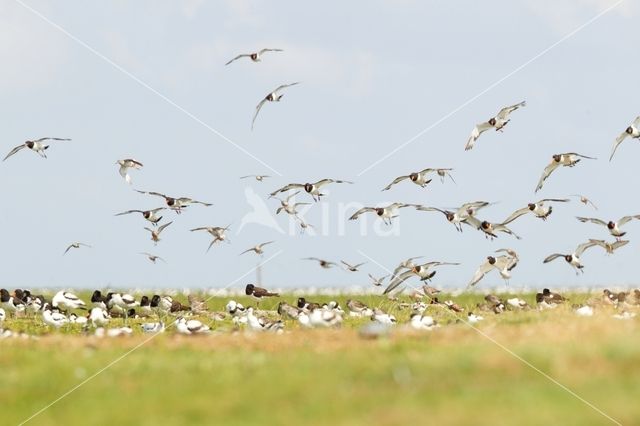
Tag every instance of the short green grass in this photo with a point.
(455, 374)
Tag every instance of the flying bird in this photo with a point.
(405, 264)
(503, 264)
(155, 233)
(176, 204)
(538, 209)
(271, 97)
(612, 227)
(257, 249)
(569, 159)
(36, 146)
(152, 257)
(255, 57)
(572, 259)
(584, 200)
(610, 247)
(386, 213)
(149, 215)
(377, 282)
(498, 122)
(75, 245)
(287, 206)
(420, 178)
(259, 178)
(351, 268)
(312, 189)
(423, 271)
(217, 232)
(323, 263)
(461, 214)
(489, 228)
(125, 165)
(632, 131)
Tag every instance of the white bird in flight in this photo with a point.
(274, 96)
(125, 165)
(498, 122)
(255, 56)
(36, 146)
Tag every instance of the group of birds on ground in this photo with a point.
(464, 215)
(195, 318)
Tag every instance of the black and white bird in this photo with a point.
(386, 213)
(258, 293)
(568, 159)
(176, 204)
(538, 209)
(123, 301)
(405, 264)
(490, 229)
(262, 324)
(66, 300)
(125, 165)
(461, 214)
(99, 301)
(191, 327)
(53, 318)
(217, 232)
(325, 264)
(255, 56)
(633, 131)
(257, 249)
(612, 226)
(98, 317)
(38, 146)
(11, 303)
(503, 264)
(152, 327)
(155, 232)
(572, 259)
(274, 96)
(312, 189)
(259, 178)
(498, 122)
(418, 178)
(150, 215)
(422, 322)
(75, 245)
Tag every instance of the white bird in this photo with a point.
(235, 309)
(66, 301)
(114, 332)
(257, 249)
(262, 324)
(632, 131)
(320, 318)
(98, 317)
(125, 165)
(152, 327)
(184, 326)
(288, 207)
(3, 315)
(75, 319)
(382, 317)
(538, 209)
(498, 122)
(36, 146)
(473, 318)
(584, 311)
(75, 245)
(274, 96)
(312, 189)
(55, 319)
(517, 303)
(572, 259)
(255, 56)
(217, 232)
(422, 322)
(568, 159)
(612, 226)
(386, 213)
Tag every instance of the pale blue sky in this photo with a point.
(374, 74)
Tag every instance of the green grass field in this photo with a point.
(455, 374)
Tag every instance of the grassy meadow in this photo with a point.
(456, 374)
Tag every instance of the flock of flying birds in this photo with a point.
(467, 215)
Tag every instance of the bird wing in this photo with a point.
(14, 150)
(269, 50)
(580, 155)
(361, 211)
(258, 108)
(554, 200)
(617, 142)
(346, 264)
(592, 220)
(51, 139)
(480, 273)
(397, 281)
(287, 188)
(247, 176)
(157, 194)
(356, 266)
(546, 173)
(626, 219)
(161, 228)
(396, 180)
(582, 247)
(475, 134)
(242, 55)
(619, 244)
(554, 256)
(291, 196)
(268, 242)
(516, 215)
(504, 112)
(68, 248)
(129, 212)
(284, 86)
(246, 251)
